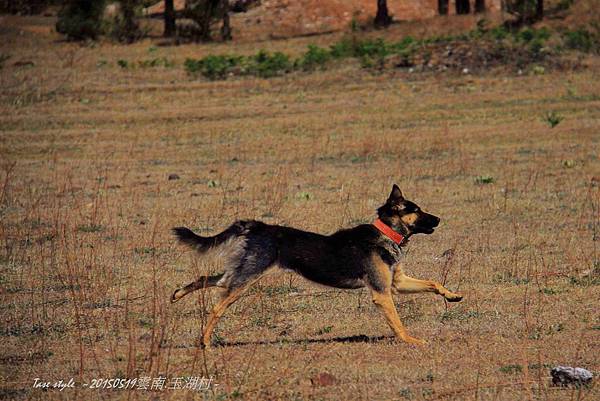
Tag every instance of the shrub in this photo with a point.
(81, 19)
(371, 48)
(579, 39)
(212, 67)
(266, 65)
(528, 35)
(314, 57)
(343, 48)
(553, 119)
(498, 33)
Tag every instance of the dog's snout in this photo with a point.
(436, 221)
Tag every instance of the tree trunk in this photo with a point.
(382, 19)
(226, 28)
(539, 10)
(209, 11)
(169, 19)
(130, 27)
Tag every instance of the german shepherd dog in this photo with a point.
(366, 255)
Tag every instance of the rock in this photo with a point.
(566, 375)
(173, 177)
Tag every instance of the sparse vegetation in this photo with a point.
(484, 179)
(583, 39)
(480, 47)
(553, 118)
(88, 261)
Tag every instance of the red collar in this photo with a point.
(388, 232)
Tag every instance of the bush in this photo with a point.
(343, 48)
(528, 35)
(266, 65)
(314, 57)
(81, 19)
(212, 67)
(581, 39)
(498, 33)
(371, 48)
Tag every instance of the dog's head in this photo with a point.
(406, 217)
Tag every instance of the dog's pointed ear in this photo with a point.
(396, 195)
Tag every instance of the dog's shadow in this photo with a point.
(361, 338)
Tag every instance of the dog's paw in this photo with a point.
(414, 340)
(454, 297)
(176, 296)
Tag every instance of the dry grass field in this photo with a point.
(88, 263)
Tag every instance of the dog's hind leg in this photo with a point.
(380, 282)
(260, 254)
(406, 285)
(202, 282)
(228, 298)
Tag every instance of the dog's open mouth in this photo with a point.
(425, 230)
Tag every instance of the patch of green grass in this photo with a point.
(303, 195)
(511, 369)
(91, 228)
(324, 330)
(553, 119)
(145, 250)
(484, 179)
(146, 323)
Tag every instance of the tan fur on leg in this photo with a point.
(407, 285)
(227, 300)
(385, 303)
(202, 282)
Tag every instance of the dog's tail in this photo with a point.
(203, 244)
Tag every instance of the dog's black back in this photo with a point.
(342, 260)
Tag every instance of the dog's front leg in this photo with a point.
(380, 282)
(385, 303)
(403, 284)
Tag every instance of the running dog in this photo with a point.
(366, 255)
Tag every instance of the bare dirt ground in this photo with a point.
(87, 261)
